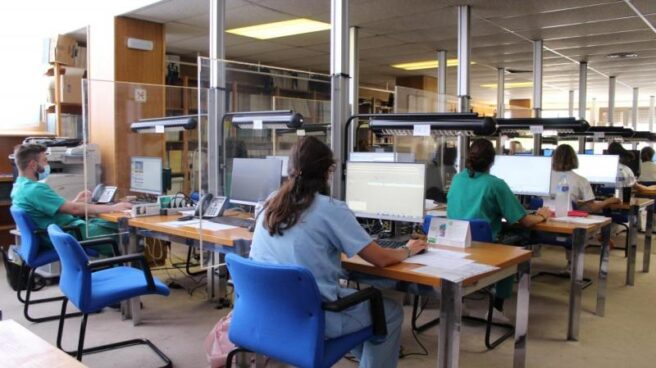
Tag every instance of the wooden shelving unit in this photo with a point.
(57, 107)
(182, 101)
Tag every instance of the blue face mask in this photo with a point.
(44, 174)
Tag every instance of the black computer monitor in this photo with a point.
(254, 179)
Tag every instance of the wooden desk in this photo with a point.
(509, 259)
(19, 347)
(579, 234)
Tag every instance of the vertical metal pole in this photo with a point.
(354, 84)
(633, 245)
(603, 270)
(571, 103)
(464, 52)
(652, 112)
(501, 87)
(521, 314)
(448, 348)
(537, 78)
(634, 109)
(611, 101)
(649, 227)
(593, 112)
(339, 58)
(576, 283)
(216, 109)
(583, 86)
(441, 80)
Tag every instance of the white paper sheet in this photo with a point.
(590, 220)
(457, 274)
(447, 253)
(212, 226)
(434, 259)
(179, 223)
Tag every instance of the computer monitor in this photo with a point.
(598, 169)
(253, 179)
(528, 175)
(386, 190)
(381, 157)
(146, 175)
(285, 163)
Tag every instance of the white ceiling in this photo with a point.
(393, 31)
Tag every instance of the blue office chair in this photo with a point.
(278, 312)
(481, 231)
(34, 255)
(91, 291)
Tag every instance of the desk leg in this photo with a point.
(130, 309)
(603, 270)
(521, 315)
(646, 257)
(631, 260)
(448, 348)
(576, 286)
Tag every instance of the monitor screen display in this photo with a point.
(254, 179)
(385, 190)
(146, 175)
(285, 163)
(528, 175)
(598, 169)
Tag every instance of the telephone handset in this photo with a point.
(212, 206)
(103, 194)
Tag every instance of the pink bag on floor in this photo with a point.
(217, 344)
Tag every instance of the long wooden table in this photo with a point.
(579, 234)
(509, 259)
(19, 347)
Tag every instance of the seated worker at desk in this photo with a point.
(46, 207)
(301, 225)
(475, 194)
(647, 165)
(563, 161)
(625, 176)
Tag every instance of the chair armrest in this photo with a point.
(106, 262)
(102, 241)
(375, 298)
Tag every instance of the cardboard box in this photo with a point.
(70, 86)
(63, 50)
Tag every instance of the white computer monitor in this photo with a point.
(386, 190)
(599, 169)
(285, 163)
(381, 157)
(146, 175)
(528, 175)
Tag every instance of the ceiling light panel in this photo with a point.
(281, 29)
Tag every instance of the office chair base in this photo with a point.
(562, 275)
(27, 300)
(101, 348)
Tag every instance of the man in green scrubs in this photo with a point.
(46, 207)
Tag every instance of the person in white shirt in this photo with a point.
(625, 175)
(563, 161)
(647, 165)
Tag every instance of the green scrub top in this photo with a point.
(483, 196)
(42, 204)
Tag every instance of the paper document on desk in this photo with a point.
(446, 253)
(457, 274)
(590, 220)
(436, 258)
(179, 223)
(212, 226)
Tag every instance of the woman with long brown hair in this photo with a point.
(302, 225)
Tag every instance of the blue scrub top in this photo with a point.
(325, 230)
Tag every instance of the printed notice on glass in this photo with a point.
(421, 130)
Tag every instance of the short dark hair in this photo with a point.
(480, 156)
(25, 153)
(646, 154)
(564, 159)
(615, 148)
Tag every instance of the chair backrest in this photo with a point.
(277, 311)
(75, 278)
(480, 229)
(29, 247)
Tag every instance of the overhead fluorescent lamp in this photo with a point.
(509, 85)
(278, 119)
(168, 124)
(281, 29)
(428, 64)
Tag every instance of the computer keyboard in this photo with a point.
(233, 221)
(390, 243)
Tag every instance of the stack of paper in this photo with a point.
(590, 220)
(449, 265)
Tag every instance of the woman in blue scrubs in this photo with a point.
(302, 225)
